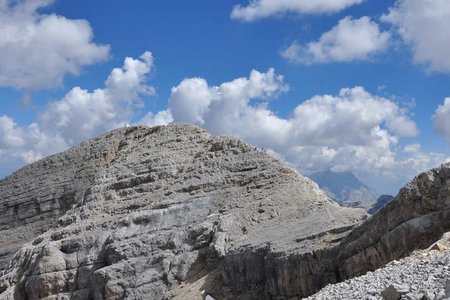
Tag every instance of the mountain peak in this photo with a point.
(345, 188)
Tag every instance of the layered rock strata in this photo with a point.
(154, 215)
(419, 215)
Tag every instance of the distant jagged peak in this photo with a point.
(345, 188)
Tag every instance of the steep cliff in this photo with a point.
(416, 217)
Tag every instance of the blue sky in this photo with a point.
(337, 84)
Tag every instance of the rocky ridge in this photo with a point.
(170, 211)
(381, 201)
(155, 215)
(418, 215)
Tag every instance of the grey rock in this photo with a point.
(414, 271)
(395, 291)
(158, 213)
(33, 198)
(447, 289)
(417, 217)
(379, 203)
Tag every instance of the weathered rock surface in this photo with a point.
(413, 220)
(418, 216)
(170, 212)
(33, 199)
(381, 201)
(424, 275)
(155, 215)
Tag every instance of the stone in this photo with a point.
(447, 288)
(416, 218)
(157, 213)
(395, 291)
(438, 247)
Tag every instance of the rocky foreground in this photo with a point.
(172, 212)
(424, 275)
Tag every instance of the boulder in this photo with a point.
(395, 291)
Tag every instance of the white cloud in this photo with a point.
(222, 108)
(350, 40)
(441, 119)
(190, 100)
(26, 143)
(423, 25)
(163, 117)
(10, 133)
(258, 9)
(37, 50)
(80, 114)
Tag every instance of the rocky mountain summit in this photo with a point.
(148, 213)
(172, 212)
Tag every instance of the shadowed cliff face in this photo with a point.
(154, 216)
(417, 217)
(170, 211)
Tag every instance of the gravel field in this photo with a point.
(425, 275)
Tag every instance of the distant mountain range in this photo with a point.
(347, 190)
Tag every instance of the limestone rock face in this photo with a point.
(414, 219)
(32, 199)
(165, 213)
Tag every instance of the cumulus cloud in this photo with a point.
(163, 117)
(37, 50)
(423, 25)
(28, 143)
(351, 130)
(80, 114)
(195, 102)
(350, 40)
(258, 9)
(441, 119)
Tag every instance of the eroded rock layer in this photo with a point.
(33, 199)
(418, 215)
(154, 215)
